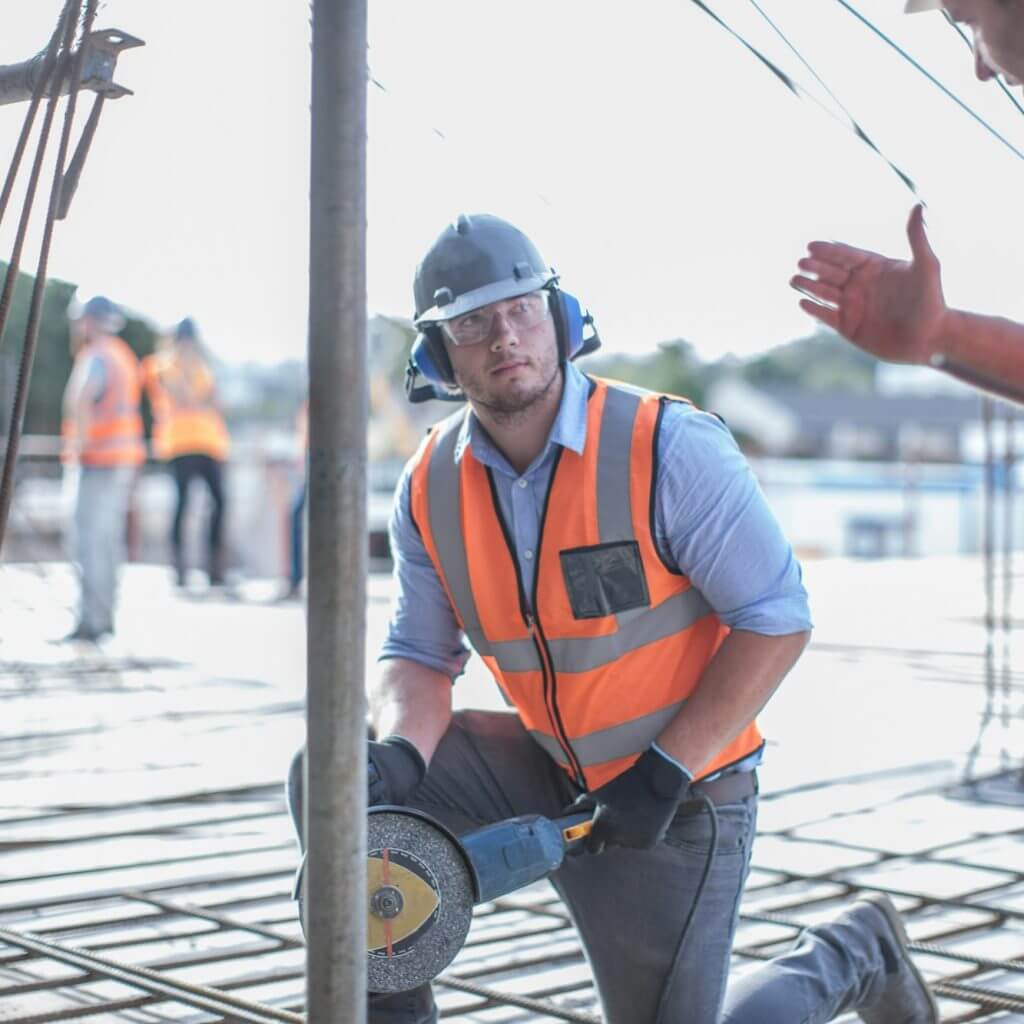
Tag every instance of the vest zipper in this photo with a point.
(536, 633)
(551, 698)
(547, 662)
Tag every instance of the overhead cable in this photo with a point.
(433, 129)
(931, 78)
(801, 93)
(970, 46)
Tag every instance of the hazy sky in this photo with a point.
(668, 176)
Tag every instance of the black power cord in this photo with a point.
(666, 988)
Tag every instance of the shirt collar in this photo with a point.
(569, 429)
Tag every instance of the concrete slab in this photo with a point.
(140, 790)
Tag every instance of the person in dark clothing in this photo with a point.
(189, 434)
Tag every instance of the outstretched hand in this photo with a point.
(893, 309)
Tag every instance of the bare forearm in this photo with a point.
(736, 685)
(987, 351)
(413, 701)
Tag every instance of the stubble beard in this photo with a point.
(508, 410)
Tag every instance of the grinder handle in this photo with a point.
(575, 828)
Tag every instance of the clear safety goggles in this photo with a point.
(521, 313)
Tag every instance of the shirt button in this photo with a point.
(521, 482)
(527, 554)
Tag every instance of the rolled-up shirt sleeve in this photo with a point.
(422, 626)
(713, 521)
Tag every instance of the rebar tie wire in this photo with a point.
(61, 42)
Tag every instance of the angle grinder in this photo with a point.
(423, 882)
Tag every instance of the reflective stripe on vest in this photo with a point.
(618, 678)
(114, 436)
(617, 741)
(178, 430)
(636, 628)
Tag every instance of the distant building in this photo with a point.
(787, 421)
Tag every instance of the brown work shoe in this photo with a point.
(906, 998)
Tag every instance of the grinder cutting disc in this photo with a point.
(420, 895)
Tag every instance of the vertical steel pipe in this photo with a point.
(336, 704)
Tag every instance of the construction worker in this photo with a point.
(895, 309)
(190, 435)
(609, 555)
(103, 446)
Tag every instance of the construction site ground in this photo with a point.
(146, 856)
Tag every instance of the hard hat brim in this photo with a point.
(914, 6)
(507, 289)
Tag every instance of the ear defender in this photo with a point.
(429, 360)
(430, 357)
(568, 318)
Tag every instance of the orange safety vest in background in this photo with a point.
(114, 436)
(179, 430)
(616, 639)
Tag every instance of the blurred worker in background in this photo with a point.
(190, 435)
(102, 444)
(895, 309)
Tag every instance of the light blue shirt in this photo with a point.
(710, 515)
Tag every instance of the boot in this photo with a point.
(217, 566)
(906, 998)
(180, 571)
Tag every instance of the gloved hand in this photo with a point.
(394, 770)
(636, 807)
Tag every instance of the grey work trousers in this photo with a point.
(629, 906)
(98, 539)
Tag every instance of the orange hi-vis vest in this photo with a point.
(114, 437)
(605, 651)
(179, 430)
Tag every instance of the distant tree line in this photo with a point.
(820, 362)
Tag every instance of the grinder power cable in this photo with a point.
(423, 882)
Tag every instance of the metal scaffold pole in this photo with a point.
(336, 704)
(20, 82)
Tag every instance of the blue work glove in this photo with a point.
(394, 770)
(636, 807)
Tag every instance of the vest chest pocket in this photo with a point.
(604, 579)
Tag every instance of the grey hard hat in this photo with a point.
(186, 330)
(477, 260)
(99, 308)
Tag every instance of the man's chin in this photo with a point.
(508, 404)
(515, 397)
(509, 396)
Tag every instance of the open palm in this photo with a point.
(891, 308)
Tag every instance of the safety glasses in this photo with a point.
(520, 313)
